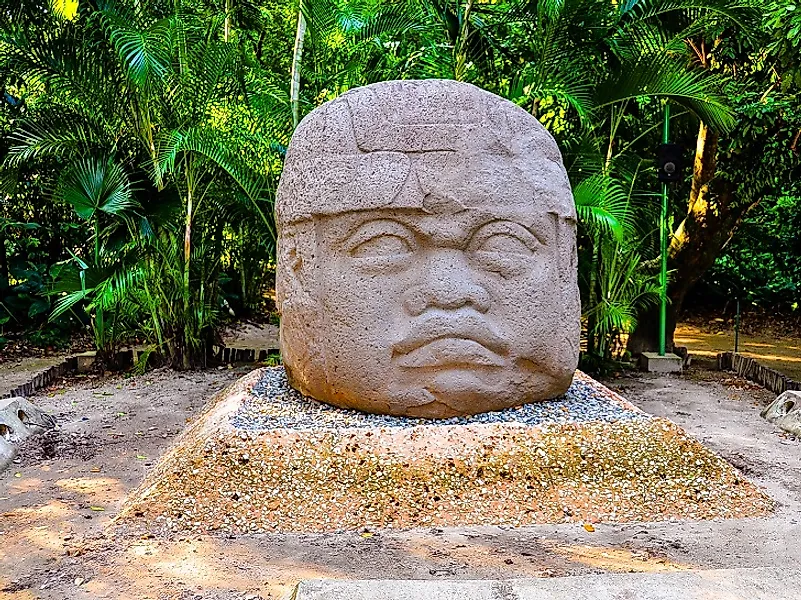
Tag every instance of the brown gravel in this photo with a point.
(218, 478)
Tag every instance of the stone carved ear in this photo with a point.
(296, 287)
(298, 303)
(297, 248)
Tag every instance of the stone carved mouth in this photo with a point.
(453, 341)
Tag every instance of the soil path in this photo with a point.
(782, 354)
(19, 372)
(57, 502)
(252, 335)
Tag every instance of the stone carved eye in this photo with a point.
(381, 245)
(501, 242)
(504, 247)
(381, 239)
(505, 237)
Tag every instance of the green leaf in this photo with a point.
(145, 52)
(666, 77)
(92, 185)
(602, 204)
(65, 303)
(66, 9)
(38, 307)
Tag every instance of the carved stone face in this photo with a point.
(452, 292)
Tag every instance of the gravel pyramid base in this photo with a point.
(263, 458)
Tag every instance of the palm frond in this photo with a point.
(565, 83)
(740, 12)
(145, 52)
(603, 205)
(209, 144)
(665, 77)
(54, 134)
(68, 302)
(91, 185)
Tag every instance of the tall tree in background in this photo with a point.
(734, 171)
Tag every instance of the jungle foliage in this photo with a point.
(141, 142)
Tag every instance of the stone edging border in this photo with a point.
(749, 368)
(82, 362)
(44, 379)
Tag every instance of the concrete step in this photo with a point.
(722, 584)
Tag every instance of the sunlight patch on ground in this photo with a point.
(784, 353)
(489, 557)
(616, 559)
(24, 485)
(102, 588)
(104, 486)
(774, 357)
(33, 531)
(43, 537)
(711, 353)
(200, 564)
(51, 511)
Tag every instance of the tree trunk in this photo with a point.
(461, 45)
(187, 292)
(227, 24)
(297, 55)
(592, 295)
(4, 283)
(712, 218)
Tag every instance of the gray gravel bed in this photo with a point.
(275, 405)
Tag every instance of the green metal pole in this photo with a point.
(663, 239)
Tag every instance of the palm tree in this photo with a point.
(152, 91)
(94, 188)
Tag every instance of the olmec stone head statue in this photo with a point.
(426, 253)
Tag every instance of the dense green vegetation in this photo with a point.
(142, 140)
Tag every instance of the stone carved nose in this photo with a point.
(447, 283)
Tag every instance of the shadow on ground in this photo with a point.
(56, 507)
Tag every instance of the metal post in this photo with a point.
(737, 328)
(663, 239)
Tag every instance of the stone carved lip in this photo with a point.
(451, 340)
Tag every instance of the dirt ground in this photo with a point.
(252, 335)
(19, 372)
(57, 503)
(780, 353)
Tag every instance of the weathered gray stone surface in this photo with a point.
(427, 253)
(722, 584)
(19, 419)
(785, 412)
